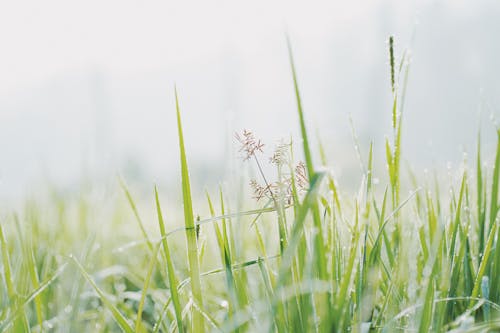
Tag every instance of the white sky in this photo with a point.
(73, 73)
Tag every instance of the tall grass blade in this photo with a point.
(136, 213)
(172, 280)
(494, 209)
(426, 319)
(192, 242)
(320, 256)
(484, 263)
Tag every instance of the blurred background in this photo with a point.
(86, 87)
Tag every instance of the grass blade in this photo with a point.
(484, 263)
(117, 315)
(144, 292)
(172, 280)
(320, 256)
(192, 242)
(136, 213)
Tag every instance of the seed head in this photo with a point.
(261, 191)
(249, 145)
(281, 155)
(391, 60)
(301, 176)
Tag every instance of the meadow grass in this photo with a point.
(309, 258)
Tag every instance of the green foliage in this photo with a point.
(312, 258)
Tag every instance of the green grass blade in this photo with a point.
(426, 319)
(172, 280)
(192, 242)
(144, 291)
(33, 272)
(298, 226)
(136, 213)
(456, 222)
(481, 212)
(349, 271)
(11, 292)
(494, 209)
(495, 184)
(320, 256)
(117, 315)
(29, 258)
(295, 239)
(235, 294)
(19, 310)
(303, 130)
(484, 263)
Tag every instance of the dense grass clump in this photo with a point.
(308, 259)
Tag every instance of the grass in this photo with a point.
(305, 257)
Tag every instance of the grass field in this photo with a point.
(410, 255)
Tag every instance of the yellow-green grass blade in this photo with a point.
(26, 277)
(331, 181)
(320, 256)
(369, 181)
(29, 258)
(225, 253)
(159, 322)
(295, 239)
(298, 226)
(192, 243)
(484, 263)
(350, 270)
(78, 285)
(19, 309)
(218, 234)
(33, 272)
(495, 184)
(144, 291)
(481, 208)
(7, 268)
(172, 280)
(13, 299)
(269, 294)
(136, 213)
(303, 130)
(427, 311)
(456, 269)
(494, 209)
(456, 222)
(214, 219)
(117, 315)
(389, 218)
(208, 318)
(237, 294)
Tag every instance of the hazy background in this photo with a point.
(86, 87)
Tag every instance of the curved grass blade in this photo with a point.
(136, 213)
(117, 315)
